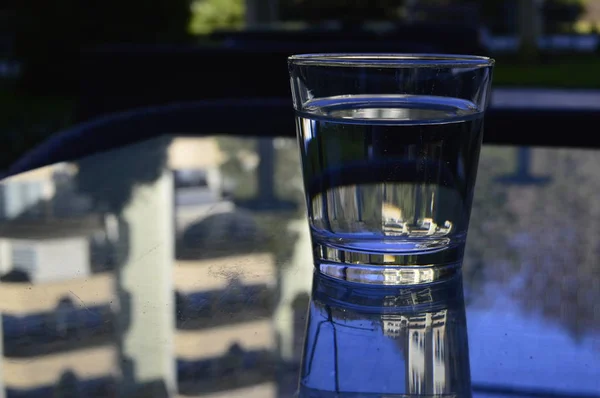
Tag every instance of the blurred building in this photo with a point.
(42, 218)
(56, 311)
(60, 301)
(423, 339)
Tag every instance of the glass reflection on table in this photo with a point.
(385, 342)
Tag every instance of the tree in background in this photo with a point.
(210, 15)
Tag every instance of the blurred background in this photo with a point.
(167, 253)
(49, 59)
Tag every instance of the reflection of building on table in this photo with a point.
(45, 256)
(424, 336)
(225, 335)
(59, 304)
(42, 218)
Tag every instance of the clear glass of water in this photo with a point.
(389, 146)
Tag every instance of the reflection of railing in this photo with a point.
(525, 123)
(60, 330)
(236, 369)
(523, 174)
(209, 309)
(69, 387)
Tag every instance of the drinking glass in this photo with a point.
(389, 145)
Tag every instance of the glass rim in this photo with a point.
(391, 60)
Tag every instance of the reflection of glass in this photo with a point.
(385, 342)
(389, 147)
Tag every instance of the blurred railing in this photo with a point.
(527, 122)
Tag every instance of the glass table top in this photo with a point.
(181, 266)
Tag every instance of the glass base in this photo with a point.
(390, 269)
(388, 276)
(398, 245)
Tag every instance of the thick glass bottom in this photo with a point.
(384, 268)
(385, 275)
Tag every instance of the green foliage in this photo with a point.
(210, 15)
